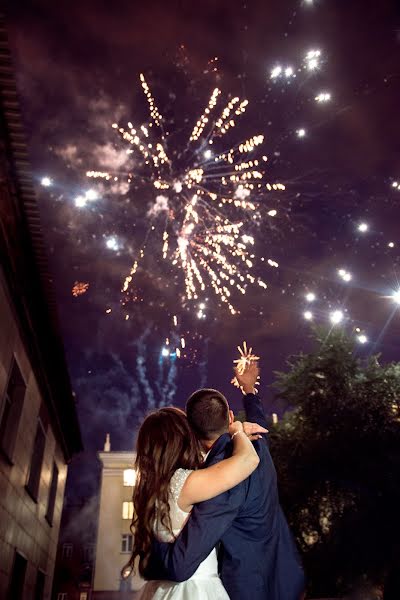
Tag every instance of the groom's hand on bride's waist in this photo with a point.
(253, 431)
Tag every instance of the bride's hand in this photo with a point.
(235, 427)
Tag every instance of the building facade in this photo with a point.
(76, 550)
(39, 431)
(114, 538)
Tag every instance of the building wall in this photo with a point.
(109, 557)
(23, 526)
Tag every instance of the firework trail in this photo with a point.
(141, 370)
(164, 389)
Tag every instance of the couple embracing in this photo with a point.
(207, 521)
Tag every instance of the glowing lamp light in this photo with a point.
(207, 154)
(391, 244)
(46, 181)
(396, 296)
(363, 227)
(336, 317)
(362, 338)
(310, 297)
(308, 315)
(301, 133)
(165, 352)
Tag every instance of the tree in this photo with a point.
(337, 454)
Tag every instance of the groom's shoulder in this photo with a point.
(220, 450)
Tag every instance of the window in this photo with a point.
(11, 411)
(39, 586)
(129, 477)
(127, 510)
(37, 455)
(88, 553)
(126, 542)
(16, 589)
(62, 596)
(67, 550)
(52, 495)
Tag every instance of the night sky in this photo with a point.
(78, 67)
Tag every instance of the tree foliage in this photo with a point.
(337, 453)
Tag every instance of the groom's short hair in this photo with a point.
(207, 411)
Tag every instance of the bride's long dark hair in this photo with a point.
(165, 443)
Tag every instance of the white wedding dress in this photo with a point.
(205, 584)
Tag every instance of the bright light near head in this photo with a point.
(289, 72)
(46, 181)
(308, 315)
(396, 296)
(80, 201)
(276, 71)
(336, 317)
(395, 184)
(272, 213)
(310, 297)
(301, 133)
(112, 243)
(202, 306)
(363, 227)
(165, 352)
(312, 64)
(91, 195)
(362, 338)
(207, 154)
(391, 244)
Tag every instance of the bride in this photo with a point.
(169, 483)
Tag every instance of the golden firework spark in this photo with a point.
(79, 288)
(246, 358)
(210, 197)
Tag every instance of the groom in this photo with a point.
(258, 559)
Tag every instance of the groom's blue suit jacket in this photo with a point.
(258, 558)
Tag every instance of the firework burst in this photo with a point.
(79, 288)
(206, 197)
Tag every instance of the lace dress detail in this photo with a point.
(178, 516)
(205, 584)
